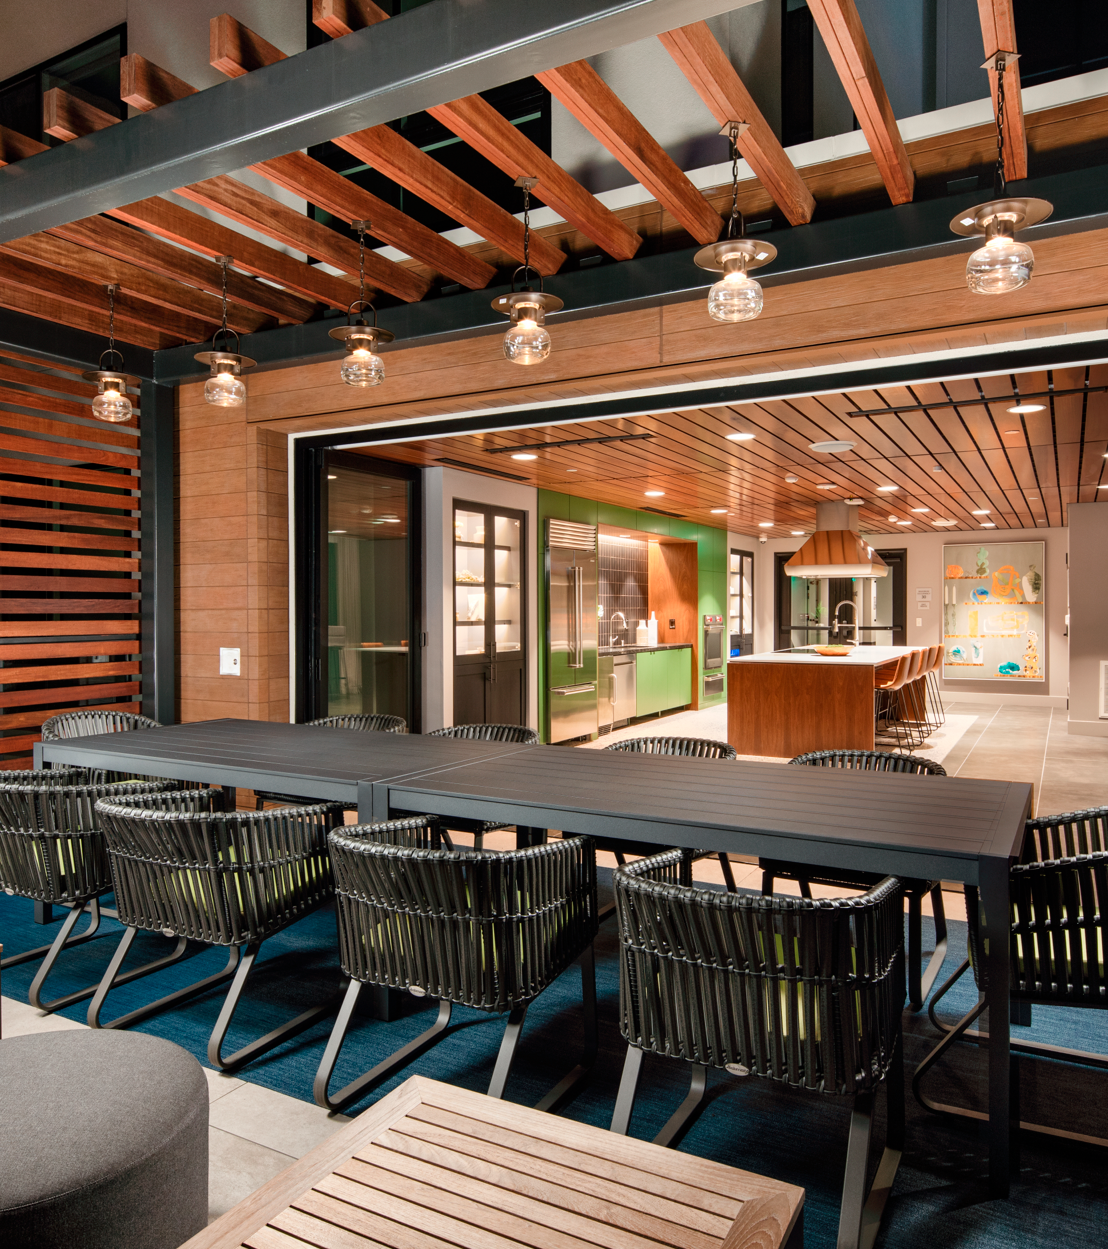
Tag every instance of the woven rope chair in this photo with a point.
(1058, 898)
(52, 851)
(686, 748)
(806, 993)
(920, 982)
(363, 724)
(485, 929)
(73, 724)
(184, 868)
(518, 734)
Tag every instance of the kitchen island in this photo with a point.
(787, 703)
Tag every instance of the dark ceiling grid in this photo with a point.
(974, 459)
(933, 438)
(1008, 451)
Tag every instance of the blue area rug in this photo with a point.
(940, 1196)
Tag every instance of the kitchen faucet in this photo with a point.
(612, 623)
(846, 624)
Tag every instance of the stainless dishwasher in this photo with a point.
(605, 691)
(625, 691)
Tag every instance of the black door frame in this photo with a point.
(494, 509)
(896, 557)
(311, 459)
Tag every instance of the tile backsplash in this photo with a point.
(622, 585)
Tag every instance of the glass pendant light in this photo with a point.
(224, 389)
(527, 340)
(1002, 264)
(111, 402)
(736, 296)
(362, 366)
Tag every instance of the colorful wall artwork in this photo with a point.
(994, 618)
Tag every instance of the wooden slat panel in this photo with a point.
(62, 672)
(51, 516)
(62, 472)
(40, 448)
(58, 494)
(846, 42)
(65, 606)
(74, 693)
(66, 628)
(32, 719)
(703, 62)
(102, 563)
(66, 650)
(47, 381)
(83, 432)
(63, 538)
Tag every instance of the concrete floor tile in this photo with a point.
(20, 1019)
(274, 1120)
(236, 1167)
(219, 1084)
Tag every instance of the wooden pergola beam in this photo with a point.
(68, 257)
(604, 115)
(36, 303)
(475, 121)
(849, 49)
(15, 146)
(147, 86)
(998, 32)
(703, 62)
(339, 17)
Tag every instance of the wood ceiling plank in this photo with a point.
(16, 270)
(66, 116)
(189, 229)
(58, 253)
(64, 312)
(849, 49)
(476, 121)
(238, 202)
(246, 295)
(597, 107)
(146, 86)
(998, 32)
(703, 62)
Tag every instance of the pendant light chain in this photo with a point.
(526, 232)
(112, 288)
(224, 262)
(736, 215)
(999, 177)
(361, 262)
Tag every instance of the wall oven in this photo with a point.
(713, 642)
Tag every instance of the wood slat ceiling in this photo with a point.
(1023, 469)
(161, 253)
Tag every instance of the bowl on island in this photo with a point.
(833, 650)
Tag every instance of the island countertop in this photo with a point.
(869, 656)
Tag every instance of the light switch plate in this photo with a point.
(919, 622)
(230, 661)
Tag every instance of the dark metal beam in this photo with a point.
(442, 52)
(62, 344)
(889, 236)
(156, 531)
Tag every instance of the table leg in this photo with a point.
(230, 797)
(44, 913)
(528, 836)
(995, 924)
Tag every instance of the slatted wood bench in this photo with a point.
(431, 1166)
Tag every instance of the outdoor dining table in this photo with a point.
(957, 829)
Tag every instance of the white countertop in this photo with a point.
(871, 656)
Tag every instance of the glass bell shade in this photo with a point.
(223, 388)
(735, 297)
(111, 403)
(362, 368)
(527, 340)
(1000, 266)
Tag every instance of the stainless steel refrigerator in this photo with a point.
(571, 693)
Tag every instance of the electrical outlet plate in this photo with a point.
(230, 661)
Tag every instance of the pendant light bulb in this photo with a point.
(224, 388)
(736, 296)
(527, 340)
(363, 366)
(110, 402)
(1001, 264)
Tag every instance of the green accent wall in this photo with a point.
(711, 547)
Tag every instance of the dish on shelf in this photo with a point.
(832, 650)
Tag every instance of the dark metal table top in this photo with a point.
(323, 763)
(938, 827)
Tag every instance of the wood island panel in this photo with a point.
(784, 710)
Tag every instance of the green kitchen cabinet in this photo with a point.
(663, 679)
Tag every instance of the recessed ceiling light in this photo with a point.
(1028, 407)
(1034, 498)
(920, 509)
(831, 446)
(984, 511)
(886, 489)
(892, 518)
(719, 511)
(740, 437)
(624, 535)
(1104, 487)
(765, 524)
(524, 455)
(792, 479)
(903, 522)
(988, 524)
(936, 468)
(798, 533)
(336, 530)
(655, 494)
(1008, 432)
(854, 502)
(943, 524)
(571, 470)
(332, 476)
(829, 485)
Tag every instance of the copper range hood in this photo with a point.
(836, 549)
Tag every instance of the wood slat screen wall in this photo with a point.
(69, 553)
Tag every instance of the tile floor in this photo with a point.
(255, 1133)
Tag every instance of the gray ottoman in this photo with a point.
(103, 1142)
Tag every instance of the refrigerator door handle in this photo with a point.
(566, 691)
(577, 642)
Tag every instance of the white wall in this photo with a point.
(925, 571)
(1088, 605)
(441, 486)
